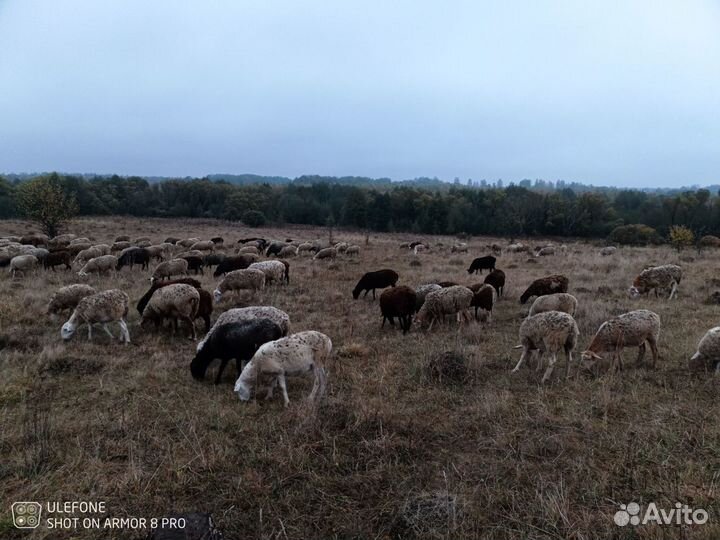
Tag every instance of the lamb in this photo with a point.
(178, 301)
(380, 279)
(667, 276)
(288, 251)
(238, 340)
(459, 248)
(609, 250)
(454, 300)
(632, 329)
(99, 265)
(352, 250)
(482, 263)
(398, 302)
(327, 253)
(68, 297)
(548, 332)
(103, 307)
(707, 355)
(22, 264)
(167, 269)
(205, 308)
(564, 302)
(238, 262)
(250, 278)
(275, 271)
(547, 285)
(132, 256)
(484, 297)
(298, 354)
(57, 258)
(545, 251)
(277, 316)
(496, 278)
(422, 291)
(203, 245)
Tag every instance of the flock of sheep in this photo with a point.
(258, 337)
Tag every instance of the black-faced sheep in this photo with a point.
(664, 277)
(454, 300)
(496, 278)
(547, 285)
(103, 307)
(237, 262)
(564, 302)
(398, 302)
(380, 279)
(178, 301)
(69, 297)
(482, 263)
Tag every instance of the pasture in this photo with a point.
(392, 452)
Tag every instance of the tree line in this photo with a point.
(514, 210)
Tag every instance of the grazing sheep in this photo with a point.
(419, 248)
(218, 240)
(327, 253)
(454, 300)
(132, 256)
(171, 240)
(122, 238)
(103, 307)
(140, 239)
(288, 251)
(564, 302)
(249, 279)
(547, 285)
(548, 332)
(352, 250)
(195, 263)
(57, 258)
(445, 284)
(249, 249)
(516, 248)
(238, 340)
(144, 244)
(205, 308)
(99, 265)
(86, 254)
(274, 248)
(81, 240)
(277, 316)
(22, 264)
(178, 301)
(238, 262)
(380, 279)
(190, 253)
(707, 355)
(103, 248)
(341, 247)
(459, 248)
(156, 252)
(298, 354)
(63, 239)
(275, 271)
(609, 250)
(398, 302)
(213, 259)
(545, 251)
(496, 248)
(482, 263)
(35, 239)
(119, 246)
(187, 242)
(484, 297)
(167, 269)
(422, 291)
(68, 297)
(496, 278)
(631, 329)
(667, 276)
(203, 245)
(306, 247)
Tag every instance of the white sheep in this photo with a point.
(168, 269)
(419, 249)
(69, 297)
(104, 249)
(203, 245)
(352, 250)
(288, 251)
(103, 307)
(548, 332)
(305, 247)
(22, 264)
(274, 314)
(608, 250)
(422, 291)
(327, 253)
(86, 254)
(667, 276)
(176, 301)
(99, 265)
(564, 302)
(708, 351)
(252, 279)
(459, 248)
(453, 300)
(274, 270)
(253, 250)
(298, 354)
(545, 251)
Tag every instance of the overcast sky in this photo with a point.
(606, 92)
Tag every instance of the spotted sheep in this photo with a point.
(548, 332)
(251, 279)
(167, 269)
(178, 301)
(455, 300)
(664, 277)
(275, 271)
(103, 308)
(69, 297)
(707, 355)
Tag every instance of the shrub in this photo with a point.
(635, 234)
(680, 237)
(253, 218)
(710, 241)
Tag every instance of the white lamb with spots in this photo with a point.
(274, 314)
(176, 301)
(103, 307)
(251, 279)
(99, 265)
(564, 302)
(665, 277)
(22, 264)
(707, 355)
(548, 332)
(299, 354)
(632, 329)
(168, 269)
(455, 300)
(69, 297)
(274, 270)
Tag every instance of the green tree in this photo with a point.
(681, 237)
(253, 218)
(44, 201)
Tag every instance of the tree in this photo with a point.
(253, 218)
(681, 237)
(44, 201)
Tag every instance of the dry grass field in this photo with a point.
(393, 452)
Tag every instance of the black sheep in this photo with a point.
(195, 263)
(398, 302)
(56, 258)
(275, 248)
(134, 256)
(171, 240)
(218, 240)
(547, 285)
(238, 340)
(483, 298)
(213, 259)
(379, 279)
(482, 263)
(496, 278)
(236, 262)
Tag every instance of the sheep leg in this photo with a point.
(523, 356)
(540, 362)
(551, 366)
(641, 354)
(223, 363)
(89, 325)
(674, 289)
(654, 350)
(383, 323)
(568, 356)
(281, 381)
(124, 333)
(189, 321)
(107, 331)
(271, 388)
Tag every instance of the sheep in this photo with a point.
(194, 262)
(218, 240)
(564, 302)
(99, 265)
(22, 264)
(298, 354)
(250, 278)
(516, 248)
(482, 263)
(38, 253)
(454, 300)
(238, 262)
(190, 253)
(419, 248)
(422, 291)
(341, 247)
(545, 251)
(667, 276)
(69, 297)
(277, 316)
(187, 242)
(171, 240)
(249, 249)
(57, 258)
(205, 308)
(288, 251)
(238, 340)
(274, 248)
(327, 253)
(178, 301)
(74, 249)
(609, 250)
(141, 239)
(122, 238)
(167, 269)
(380, 279)
(103, 248)
(496, 278)
(86, 254)
(306, 247)
(484, 297)
(275, 271)
(35, 239)
(156, 252)
(547, 285)
(203, 245)
(213, 259)
(548, 332)
(398, 302)
(132, 256)
(459, 248)
(63, 239)
(119, 246)
(81, 240)
(102, 307)
(707, 355)
(352, 250)
(632, 329)
(495, 248)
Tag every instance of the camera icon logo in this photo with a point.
(26, 515)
